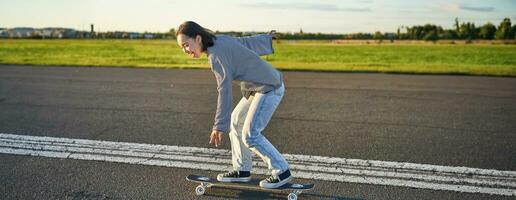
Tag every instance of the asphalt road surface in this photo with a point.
(439, 120)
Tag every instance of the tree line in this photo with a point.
(429, 32)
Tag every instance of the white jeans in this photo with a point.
(248, 120)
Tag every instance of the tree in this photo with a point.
(431, 36)
(487, 31)
(513, 30)
(378, 36)
(415, 32)
(448, 35)
(504, 30)
(431, 32)
(468, 31)
(172, 33)
(457, 27)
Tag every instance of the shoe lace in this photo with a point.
(270, 179)
(231, 173)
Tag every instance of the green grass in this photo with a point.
(496, 60)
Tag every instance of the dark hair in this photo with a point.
(192, 29)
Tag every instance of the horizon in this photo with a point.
(366, 16)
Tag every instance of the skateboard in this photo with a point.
(207, 182)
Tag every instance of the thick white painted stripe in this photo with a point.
(226, 159)
(303, 158)
(461, 179)
(299, 174)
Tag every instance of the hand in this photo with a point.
(274, 34)
(216, 138)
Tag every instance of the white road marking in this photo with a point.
(435, 177)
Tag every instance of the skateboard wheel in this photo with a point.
(292, 196)
(199, 190)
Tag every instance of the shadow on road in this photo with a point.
(230, 193)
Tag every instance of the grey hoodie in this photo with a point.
(238, 59)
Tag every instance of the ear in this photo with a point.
(198, 39)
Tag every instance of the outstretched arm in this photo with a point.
(261, 44)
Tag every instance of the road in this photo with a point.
(424, 119)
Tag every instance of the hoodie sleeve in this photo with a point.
(224, 88)
(260, 44)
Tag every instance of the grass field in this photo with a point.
(496, 60)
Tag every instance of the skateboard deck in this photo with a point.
(207, 182)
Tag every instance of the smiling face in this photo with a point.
(191, 46)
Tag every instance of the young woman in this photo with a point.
(238, 59)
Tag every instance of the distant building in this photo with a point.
(148, 36)
(134, 35)
(118, 34)
(4, 33)
(60, 33)
(69, 33)
(46, 33)
(22, 32)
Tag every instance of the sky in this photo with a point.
(326, 16)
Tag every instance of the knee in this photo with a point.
(250, 141)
